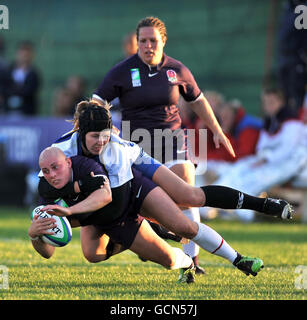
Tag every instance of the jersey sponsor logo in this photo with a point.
(240, 201)
(4, 17)
(138, 195)
(77, 197)
(152, 74)
(171, 76)
(135, 77)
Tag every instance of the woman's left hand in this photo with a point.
(57, 210)
(220, 138)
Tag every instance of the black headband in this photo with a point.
(94, 118)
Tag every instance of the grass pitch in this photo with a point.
(68, 276)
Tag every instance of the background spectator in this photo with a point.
(66, 98)
(63, 102)
(22, 82)
(242, 130)
(191, 121)
(3, 70)
(129, 48)
(280, 155)
(129, 44)
(292, 56)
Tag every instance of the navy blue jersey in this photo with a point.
(83, 166)
(149, 96)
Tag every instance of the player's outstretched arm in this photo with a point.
(203, 109)
(88, 183)
(95, 201)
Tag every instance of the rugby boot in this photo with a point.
(248, 265)
(278, 208)
(199, 270)
(187, 275)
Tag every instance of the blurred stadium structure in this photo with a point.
(229, 45)
(223, 42)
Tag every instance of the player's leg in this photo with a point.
(159, 206)
(150, 246)
(97, 246)
(186, 171)
(179, 190)
(217, 196)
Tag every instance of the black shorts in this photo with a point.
(126, 228)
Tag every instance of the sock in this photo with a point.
(191, 248)
(228, 198)
(211, 241)
(237, 259)
(195, 260)
(182, 260)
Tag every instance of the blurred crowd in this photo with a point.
(21, 82)
(270, 150)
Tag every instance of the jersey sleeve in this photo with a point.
(83, 166)
(146, 164)
(188, 87)
(110, 87)
(46, 191)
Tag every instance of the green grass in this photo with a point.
(67, 275)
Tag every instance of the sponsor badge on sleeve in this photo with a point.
(135, 77)
(171, 76)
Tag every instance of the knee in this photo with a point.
(93, 257)
(192, 196)
(189, 234)
(197, 197)
(168, 262)
(188, 230)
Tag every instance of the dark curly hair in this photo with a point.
(152, 22)
(92, 116)
(87, 112)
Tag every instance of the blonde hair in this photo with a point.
(83, 105)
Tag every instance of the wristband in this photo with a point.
(89, 184)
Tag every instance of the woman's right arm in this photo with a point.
(93, 202)
(88, 183)
(37, 228)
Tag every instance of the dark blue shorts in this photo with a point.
(126, 228)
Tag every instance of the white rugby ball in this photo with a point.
(62, 231)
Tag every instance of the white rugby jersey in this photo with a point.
(118, 157)
(283, 144)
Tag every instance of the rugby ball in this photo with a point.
(62, 232)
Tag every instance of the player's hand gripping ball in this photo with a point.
(62, 231)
